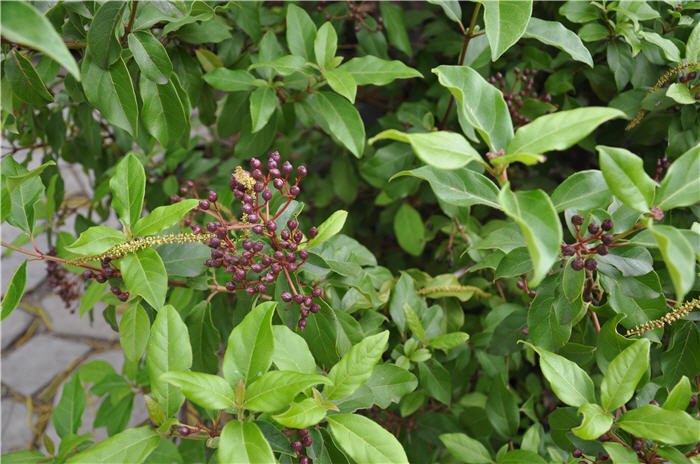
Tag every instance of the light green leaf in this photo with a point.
(692, 47)
(291, 353)
(284, 65)
(481, 104)
(163, 217)
(451, 8)
(395, 27)
(679, 397)
(325, 45)
(328, 228)
(277, 389)
(263, 102)
(678, 256)
(355, 368)
(92, 295)
(554, 33)
(619, 454)
(625, 176)
(558, 131)
(14, 181)
(208, 60)
(505, 23)
(96, 240)
(595, 422)
(583, 190)
(655, 423)
(131, 446)
(67, 415)
(341, 82)
(301, 32)
(102, 43)
(538, 220)
(448, 341)
(302, 414)
(14, 291)
(22, 23)
(112, 93)
(243, 442)
(250, 346)
(150, 56)
(667, 46)
(460, 187)
(376, 71)
(166, 352)
(229, 79)
(466, 449)
(681, 94)
(413, 321)
(165, 111)
(206, 390)
(343, 120)
(134, 329)
(409, 229)
(144, 274)
(128, 186)
(623, 374)
(681, 185)
(25, 81)
(20, 212)
(365, 441)
(442, 150)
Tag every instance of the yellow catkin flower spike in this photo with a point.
(668, 318)
(244, 179)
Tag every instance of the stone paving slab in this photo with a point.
(14, 326)
(65, 323)
(33, 365)
(16, 433)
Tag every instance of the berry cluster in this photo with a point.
(68, 289)
(302, 440)
(683, 78)
(357, 14)
(255, 260)
(661, 165)
(522, 285)
(522, 87)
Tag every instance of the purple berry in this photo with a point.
(212, 196)
(203, 205)
(255, 163)
(302, 171)
(590, 264)
(312, 232)
(577, 264)
(607, 225)
(287, 167)
(577, 220)
(286, 297)
(593, 228)
(294, 190)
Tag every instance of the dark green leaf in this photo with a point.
(343, 121)
(151, 57)
(395, 27)
(505, 23)
(25, 81)
(230, 80)
(165, 111)
(66, 417)
(625, 176)
(502, 409)
(554, 33)
(14, 291)
(263, 102)
(466, 449)
(128, 187)
(134, 329)
(102, 43)
(204, 338)
(409, 229)
(301, 32)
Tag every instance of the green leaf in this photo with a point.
(208, 60)
(184, 259)
(112, 93)
(22, 200)
(667, 46)
(66, 417)
(554, 33)
(131, 446)
(558, 131)
(325, 45)
(679, 397)
(91, 296)
(355, 368)
(466, 449)
(625, 176)
(150, 56)
(413, 321)
(229, 79)
(163, 217)
(451, 8)
(134, 329)
(291, 353)
(341, 82)
(595, 422)
(263, 102)
(569, 382)
(102, 43)
(583, 190)
(619, 453)
(144, 274)
(459, 187)
(538, 220)
(395, 27)
(250, 346)
(165, 111)
(502, 409)
(206, 390)
(204, 339)
(680, 94)
(302, 414)
(522, 456)
(480, 103)
(25, 81)
(681, 185)
(128, 186)
(343, 120)
(442, 150)
(388, 384)
(623, 374)
(364, 440)
(376, 71)
(655, 423)
(448, 341)
(167, 352)
(22, 23)
(96, 240)
(692, 47)
(277, 389)
(505, 23)
(301, 32)
(14, 181)
(409, 229)
(328, 228)
(681, 358)
(678, 256)
(284, 65)
(15, 290)
(243, 442)
(436, 380)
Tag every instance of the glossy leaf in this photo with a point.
(250, 346)
(263, 102)
(342, 119)
(625, 176)
(655, 423)
(595, 422)
(341, 82)
(559, 131)
(22, 23)
(436, 380)
(301, 32)
(505, 23)
(229, 79)
(364, 440)
(678, 256)
(538, 220)
(482, 105)
(325, 45)
(466, 449)
(442, 150)
(679, 397)
(151, 57)
(448, 341)
(14, 291)
(165, 111)
(619, 453)
(395, 27)
(355, 368)
(569, 382)
(131, 446)
(376, 71)
(19, 205)
(102, 43)
(25, 81)
(301, 414)
(96, 240)
(165, 353)
(328, 228)
(207, 390)
(163, 217)
(554, 33)
(451, 8)
(277, 389)
(67, 416)
(583, 190)
(291, 353)
(409, 229)
(204, 339)
(623, 374)
(681, 185)
(144, 274)
(128, 187)
(243, 442)
(134, 329)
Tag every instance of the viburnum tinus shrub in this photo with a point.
(364, 231)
